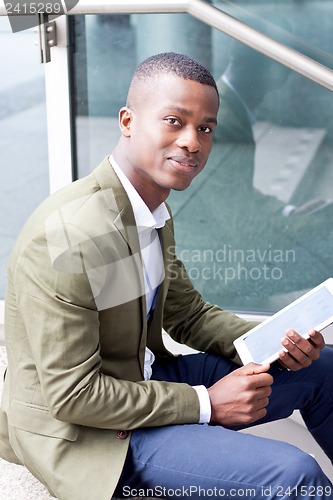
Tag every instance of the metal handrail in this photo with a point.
(218, 19)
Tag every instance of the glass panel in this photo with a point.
(237, 228)
(308, 28)
(23, 140)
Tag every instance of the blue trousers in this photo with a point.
(195, 461)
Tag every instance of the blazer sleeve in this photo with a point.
(63, 353)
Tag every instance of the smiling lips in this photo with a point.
(183, 162)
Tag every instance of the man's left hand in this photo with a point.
(300, 351)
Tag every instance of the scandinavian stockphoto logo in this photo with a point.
(23, 14)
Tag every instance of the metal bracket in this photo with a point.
(47, 37)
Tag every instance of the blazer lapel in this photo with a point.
(124, 221)
(168, 248)
(118, 203)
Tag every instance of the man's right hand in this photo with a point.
(242, 396)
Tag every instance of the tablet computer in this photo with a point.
(314, 309)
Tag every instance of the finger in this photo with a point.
(295, 337)
(317, 339)
(289, 362)
(300, 348)
(254, 368)
(263, 380)
(264, 392)
(257, 415)
(292, 363)
(263, 403)
(301, 353)
(294, 343)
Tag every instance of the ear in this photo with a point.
(125, 121)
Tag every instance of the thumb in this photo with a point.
(255, 368)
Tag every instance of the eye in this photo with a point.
(205, 129)
(173, 121)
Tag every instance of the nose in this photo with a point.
(189, 139)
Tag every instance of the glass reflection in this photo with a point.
(237, 227)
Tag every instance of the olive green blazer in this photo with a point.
(76, 330)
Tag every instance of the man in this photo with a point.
(92, 279)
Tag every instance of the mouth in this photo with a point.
(183, 163)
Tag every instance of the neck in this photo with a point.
(152, 196)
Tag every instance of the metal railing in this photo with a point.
(217, 19)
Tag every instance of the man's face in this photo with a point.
(169, 134)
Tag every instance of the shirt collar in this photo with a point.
(144, 218)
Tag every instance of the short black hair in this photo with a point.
(172, 63)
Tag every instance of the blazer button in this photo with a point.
(121, 434)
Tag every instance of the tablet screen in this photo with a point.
(302, 316)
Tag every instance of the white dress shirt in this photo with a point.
(147, 223)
